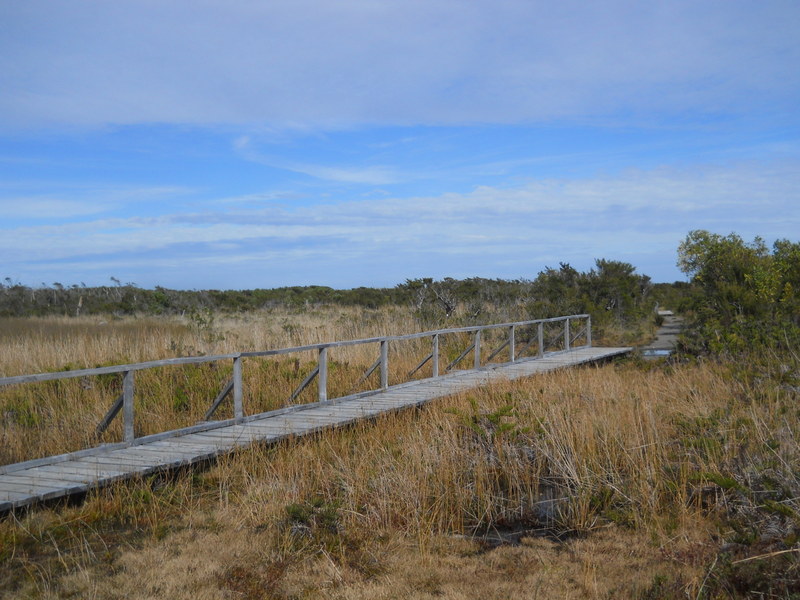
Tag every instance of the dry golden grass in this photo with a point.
(60, 416)
(595, 486)
(621, 481)
(41, 419)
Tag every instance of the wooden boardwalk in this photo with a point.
(36, 481)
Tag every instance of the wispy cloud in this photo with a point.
(200, 143)
(47, 201)
(373, 175)
(575, 220)
(43, 207)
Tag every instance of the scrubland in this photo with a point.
(628, 480)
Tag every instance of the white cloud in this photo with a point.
(418, 61)
(636, 213)
(22, 200)
(376, 175)
(37, 207)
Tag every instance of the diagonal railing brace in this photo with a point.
(309, 378)
(366, 374)
(460, 357)
(112, 412)
(499, 350)
(420, 365)
(218, 400)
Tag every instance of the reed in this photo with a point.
(61, 416)
(625, 480)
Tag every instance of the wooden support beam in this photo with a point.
(322, 368)
(420, 365)
(366, 374)
(540, 337)
(303, 385)
(460, 357)
(499, 350)
(227, 389)
(127, 406)
(112, 412)
(238, 410)
(384, 364)
(435, 354)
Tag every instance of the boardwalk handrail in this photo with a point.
(126, 405)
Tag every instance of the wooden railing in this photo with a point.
(564, 340)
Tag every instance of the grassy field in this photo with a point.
(630, 480)
(61, 416)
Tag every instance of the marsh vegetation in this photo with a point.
(668, 479)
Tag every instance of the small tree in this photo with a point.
(746, 295)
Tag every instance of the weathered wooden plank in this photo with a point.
(31, 486)
(270, 424)
(227, 389)
(115, 464)
(175, 458)
(361, 411)
(124, 458)
(302, 417)
(386, 398)
(232, 436)
(77, 468)
(10, 496)
(7, 505)
(65, 474)
(298, 426)
(205, 446)
(146, 463)
(221, 441)
(220, 357)
(82, 475)
(202, 437)
(387, 404)
(307, 415)
(265, 430)
(37, 492)
(156, 455)
(167, 449)
(188, 360)
(42, 478)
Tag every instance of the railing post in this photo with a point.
(127, 406)
(540, 336)
(238, 411)
(589, 331)
(384, 364)
(566, 333)
(477, 363)
(512, 342)
(435, 352)
(322, 381)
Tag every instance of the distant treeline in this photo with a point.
(612, 286)
(126, 299)
(120, 298)
(613, 292)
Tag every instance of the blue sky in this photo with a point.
(246, 143)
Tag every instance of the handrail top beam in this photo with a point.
(51, 376)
